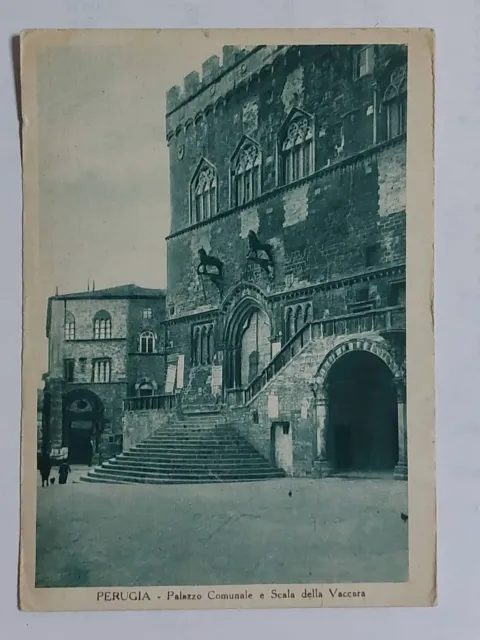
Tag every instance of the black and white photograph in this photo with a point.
(233, 401)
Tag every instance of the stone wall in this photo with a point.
(256, 97)
(139, 425)
(146, 367)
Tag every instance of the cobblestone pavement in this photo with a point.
(278, 531)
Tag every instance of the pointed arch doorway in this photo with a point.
(248, 345)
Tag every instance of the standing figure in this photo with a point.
(91, 451)
(45, 467)
(63, 471)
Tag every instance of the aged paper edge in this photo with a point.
(420, 590)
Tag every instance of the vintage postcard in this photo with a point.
(228, 389)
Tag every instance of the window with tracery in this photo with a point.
(297, 149)
(102, 326)
(69, 326)
(147, 342)
(246, 175)
(394, 104)
(204, 194)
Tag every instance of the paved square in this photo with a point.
(278, 531)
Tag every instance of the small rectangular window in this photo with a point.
(69, 369)
(363, 62)
(397, 294)
(362, 294)
(147, 314)
(371, 255)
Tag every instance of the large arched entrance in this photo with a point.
(362, 432)
(248, 347)
(82, 425)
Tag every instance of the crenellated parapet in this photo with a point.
(239, 67)
(212, 68)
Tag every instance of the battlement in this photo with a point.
(212, 69)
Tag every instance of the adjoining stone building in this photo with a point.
(288, 169)
(103, 346)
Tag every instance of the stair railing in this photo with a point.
(165, 402)
(386, 319)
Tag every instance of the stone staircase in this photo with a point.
(197, 449)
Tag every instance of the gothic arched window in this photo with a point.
(204, 346)
(147, 342)
(102, 326)
(246, 176)
(196, 347)
(288, 323)
(203, 193)
(296, 150)
(394, 104)
(307, 316)
(69, 326)
(297, 325)
(210, 346)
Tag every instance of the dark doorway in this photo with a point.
(362, 414)
(80, 445)
(82, 425)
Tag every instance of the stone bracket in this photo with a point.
(264, 263)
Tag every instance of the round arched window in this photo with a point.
(147, 342)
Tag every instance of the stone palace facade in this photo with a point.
(286, 257)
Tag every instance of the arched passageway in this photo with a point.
(362, 422)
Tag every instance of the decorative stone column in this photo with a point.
(401, 469)
(321, 465)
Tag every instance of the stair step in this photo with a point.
(192, 466)
(205, 448)
(189, 460)
(174, 444)
(254, 475)
(194, 475)
(135, 480)
(172, 441)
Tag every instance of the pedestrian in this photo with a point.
(91, 451)
(45, 467)
(63, 471)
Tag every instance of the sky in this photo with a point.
(103, 183)
(104, 176)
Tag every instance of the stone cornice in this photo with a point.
(194, 316)
(396, 271)
(340, 165)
